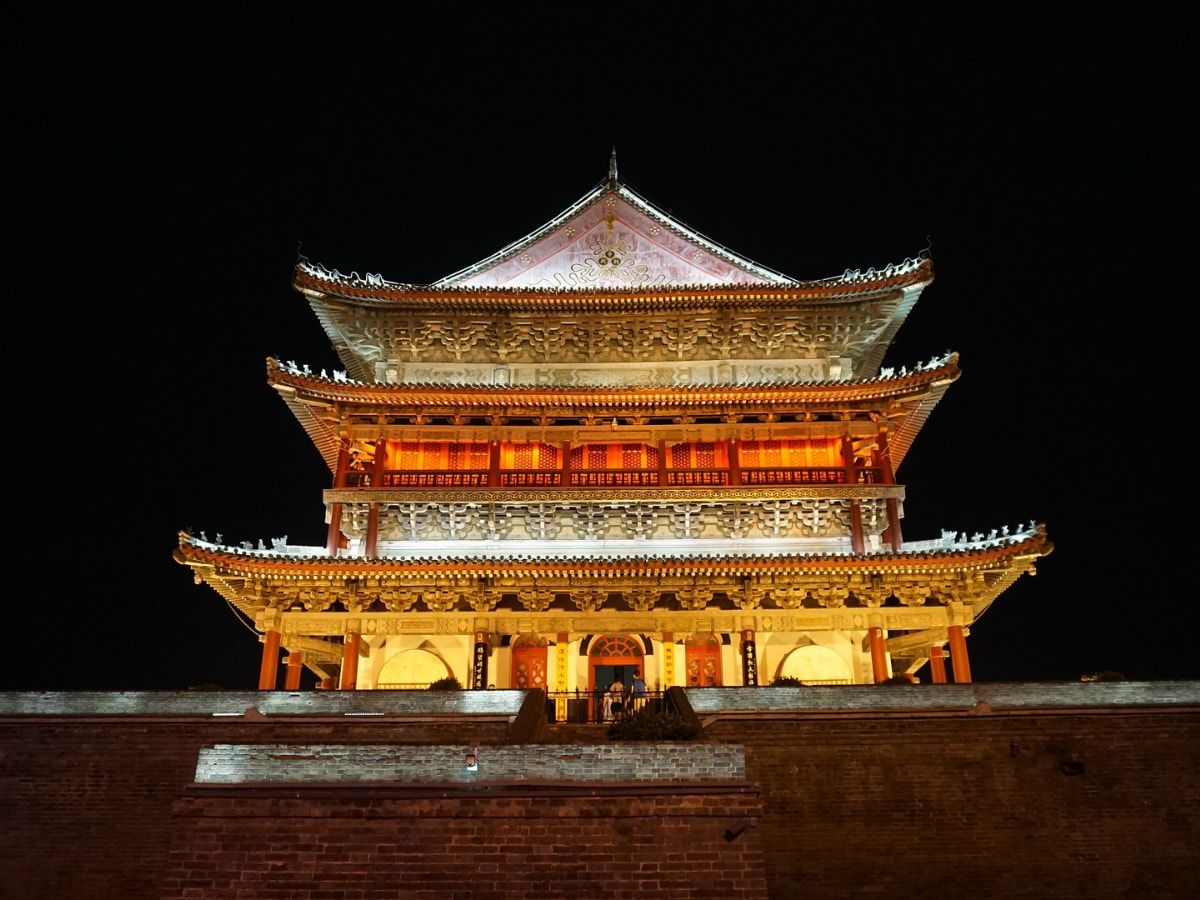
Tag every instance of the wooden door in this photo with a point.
(703, 654)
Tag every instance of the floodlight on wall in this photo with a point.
(473, 760)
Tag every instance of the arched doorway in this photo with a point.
(703, 655)
(530, 662)
(612, 658)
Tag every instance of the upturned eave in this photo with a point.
(925, 563)
(320, 285)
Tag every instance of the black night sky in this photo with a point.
(169, 161)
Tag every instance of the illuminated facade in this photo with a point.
(611, 445)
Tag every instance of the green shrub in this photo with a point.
(449, 683)
(787, 681)
(648, 725)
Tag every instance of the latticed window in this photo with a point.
(435, 455)
(814, 452)
(410, 455)
(533, 455)
(699, 455)
(614, 456)
(621, 645)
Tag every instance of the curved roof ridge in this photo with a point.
(592, 196)
(688, 233)
(371, 281)
(948, 546)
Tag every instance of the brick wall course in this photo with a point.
(569, 845)
(233, 763)
(326, 704)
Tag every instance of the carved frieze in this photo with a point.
(296, 626)
(399, 604)
(570, 337)
(627, 519)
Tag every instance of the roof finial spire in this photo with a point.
(612, 171)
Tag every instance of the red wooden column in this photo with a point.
(884, 458)
(269, 670)
(856, 526)
(735, 464)
(326, 684)
(334, 540)
(662, 464)
(565, 468)
(295, 665)
(373, 509)
(335, 530)
(937, 664)
(349, 679)
(494, 465)
(879, 665)
(958, 655)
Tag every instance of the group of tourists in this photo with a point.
(617, 702)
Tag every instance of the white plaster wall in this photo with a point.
(776, 646)
(454, 650)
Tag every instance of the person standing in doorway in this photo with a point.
(614, 699)
(639, 691)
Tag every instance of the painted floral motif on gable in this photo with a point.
(610, 260)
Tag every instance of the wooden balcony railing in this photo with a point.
(614, 478)
(697, 477)
(527, 478)
(426, 478)
(830, 475)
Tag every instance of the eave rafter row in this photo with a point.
(264, 595)
(891, 388)
(310, 280)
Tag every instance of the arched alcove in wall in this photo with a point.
(814, 664)
(414, 668)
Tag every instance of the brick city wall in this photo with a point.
(1072, 804)
(986, 791)
(484, 842)
(87, 781)
(501, 822)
